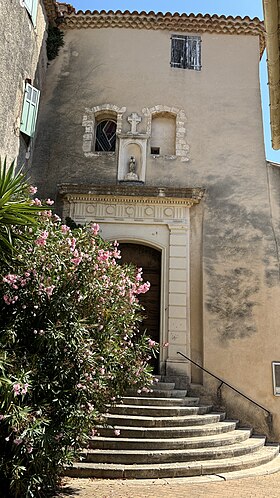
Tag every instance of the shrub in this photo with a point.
(16, 210)
(69, 346)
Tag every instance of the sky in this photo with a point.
(251, 8)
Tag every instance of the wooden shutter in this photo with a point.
(31, 7)
(29, 110)
(193, 52)
(186, 52)
(177, 51)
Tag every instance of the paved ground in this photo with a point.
(253, 487)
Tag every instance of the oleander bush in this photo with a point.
(69, 346)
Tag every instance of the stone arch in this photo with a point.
(89, 121)
(182, 147)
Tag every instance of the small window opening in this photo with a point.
(155, 151)
(105, 138)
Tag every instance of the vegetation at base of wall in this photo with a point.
(69, 346)
(54, 42)
(17, 211)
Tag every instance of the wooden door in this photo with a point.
(149, 259)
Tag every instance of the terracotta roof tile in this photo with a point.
(198, 23)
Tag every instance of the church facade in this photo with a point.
(150, 125)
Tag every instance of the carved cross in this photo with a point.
(134, 120)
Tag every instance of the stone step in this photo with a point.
(168, 432)
(157, 401)
(168, 470)
(216, 440)
(158, 411)
(163, 386)
(176, 455)
(159, 393)
(133, 420)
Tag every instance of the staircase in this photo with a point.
(165, 434)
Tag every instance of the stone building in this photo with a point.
(150, 125)
(23, 64)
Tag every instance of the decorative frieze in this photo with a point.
(86, 208)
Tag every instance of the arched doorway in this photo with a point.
(149, 259)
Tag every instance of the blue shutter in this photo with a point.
(31, 7)
(29, 110)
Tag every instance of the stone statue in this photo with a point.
(131, 175)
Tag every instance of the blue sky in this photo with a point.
(251, 8)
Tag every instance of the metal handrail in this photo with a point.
(223, 382)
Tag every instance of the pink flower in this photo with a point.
(37, 202)
(76, 261)
(10, 279)
(48, 214)
(49, 202)
(8, 300)
(117, 432)
(41, 241)
(49, 290)
(32, 190)
(17, 389)
(72, 243)
(95, 228)
(139, 275)
(165, 345)
(18, 441)
(142, 289)
(151, 343)
(24, 388)
(64, 228)
(29, 449)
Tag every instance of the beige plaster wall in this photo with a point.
(22, 56)
(234, 257)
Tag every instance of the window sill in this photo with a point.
(100, 154)
(165, 157)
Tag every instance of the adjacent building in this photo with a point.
(271, 20)
(23, 64)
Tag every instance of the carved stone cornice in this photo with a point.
(180, 22)
(132, 194)
(121, 204)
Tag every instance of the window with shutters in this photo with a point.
(31, 7)
(29, 110)
(186, 52)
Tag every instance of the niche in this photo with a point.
(163, 136)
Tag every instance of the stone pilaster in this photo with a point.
(178, 301)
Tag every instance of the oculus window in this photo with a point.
(186, 52)
(105, 136)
